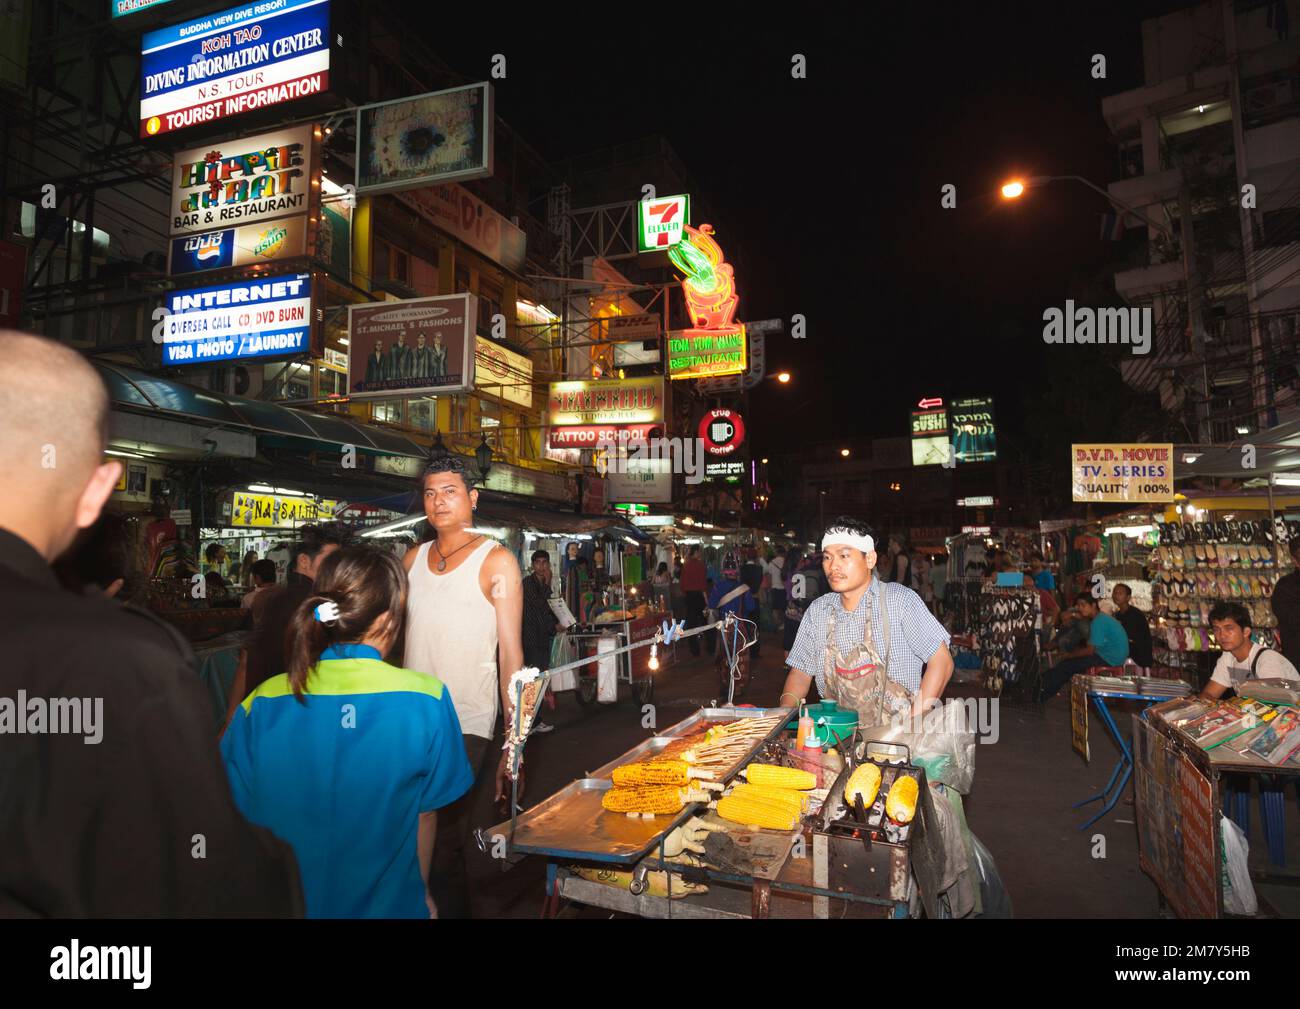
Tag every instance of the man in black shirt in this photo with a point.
(539, 620)
(1135, 625)
(751, 573)
(1286, 607)
(113, 798)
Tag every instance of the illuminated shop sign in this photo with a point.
(266, 317)
(715, 344)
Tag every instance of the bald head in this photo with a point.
(54, 412)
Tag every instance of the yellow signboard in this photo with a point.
(624, 401)
(1123, 473)
(501, 372)
(271, 511)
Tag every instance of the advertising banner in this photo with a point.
(242, 246)
(461, 214)
(435, 137)
(419, 347)
(1124, 473)
(119, 8)
(275, 510)
(930, 444)
(215, 66)
(265, 317)
(240, 182)
(622, 401)
(722, 431)
(636, 479)
(592, 435)
(499, 371)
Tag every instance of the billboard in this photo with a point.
(621, 401)
(215, 66)
(661, 222)
(974, 435)
(501, 372)
(241, 182)
(420, 347)
(716, 344)
(463, 215)
(272, 511)
(413, 142)
(261, 318)
(242, 246)
(930, 444)
(1123, 473)
(593, 435)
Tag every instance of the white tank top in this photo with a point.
(451, 633)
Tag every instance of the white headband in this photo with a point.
(842, 536)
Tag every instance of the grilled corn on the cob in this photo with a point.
(786, 796)
(782, 777)
(757, 812)
(864, 781)
(653, 799)
(900, 804)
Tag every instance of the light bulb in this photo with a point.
(654, 657)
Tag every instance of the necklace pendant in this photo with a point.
(442, 565)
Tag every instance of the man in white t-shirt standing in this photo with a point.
(1242, 659)
(464, 604)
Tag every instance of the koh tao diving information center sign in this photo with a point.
(266, 317)
(1124, 473)
(219, 65)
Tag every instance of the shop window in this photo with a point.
(387, 411)
(332, 383)
(462, 280)
(490, 422)
(391, 263)
(422, 414)
(489, 305)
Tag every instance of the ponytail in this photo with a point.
(305, 639)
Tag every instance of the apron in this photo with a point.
(858, 679)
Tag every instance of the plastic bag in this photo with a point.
(945, 747)
(994, 899)
(1238, 890)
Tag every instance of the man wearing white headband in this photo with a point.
(871, 647)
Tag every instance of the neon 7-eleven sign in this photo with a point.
(661, 222)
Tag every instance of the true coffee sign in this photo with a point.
(722, 431)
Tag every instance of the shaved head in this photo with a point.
(54, 412)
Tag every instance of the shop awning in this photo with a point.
(1276, 450)
(139, 391)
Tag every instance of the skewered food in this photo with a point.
(900, 805)
(864, 781)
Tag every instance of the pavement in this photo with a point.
(1019, 806)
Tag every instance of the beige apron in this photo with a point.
(859, 679)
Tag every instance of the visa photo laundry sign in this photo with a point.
(1126, 473)
(236, 182)
(218, 65)
(266, 317)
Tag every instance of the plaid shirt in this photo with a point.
(914, 633)
(539, 623)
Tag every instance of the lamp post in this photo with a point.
(483, 456)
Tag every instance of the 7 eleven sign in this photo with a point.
(661, 222)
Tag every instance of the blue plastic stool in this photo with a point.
(1272, 811)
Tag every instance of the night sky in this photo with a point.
(828, 189)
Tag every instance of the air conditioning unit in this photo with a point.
(1265, 97)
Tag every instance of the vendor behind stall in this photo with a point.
(1242, 659)
(872, 647)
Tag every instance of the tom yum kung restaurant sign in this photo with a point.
(716, 343)
(218, 65)
(1125, 473)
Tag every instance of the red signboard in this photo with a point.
(13, 274)
(592, 435)
(722, 431)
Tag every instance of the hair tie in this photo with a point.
(327, 612)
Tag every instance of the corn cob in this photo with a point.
(757, 813)
(900, 805)
(786, 796)
(661, 772)
(864, 781)
(653, 799)
(782, 777)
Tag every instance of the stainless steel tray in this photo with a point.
(573, 824)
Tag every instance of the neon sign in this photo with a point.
(715, 345)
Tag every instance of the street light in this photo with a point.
(783, 377)
(844, 452)
(1015, 188)
(1012, 189)
(483, 456)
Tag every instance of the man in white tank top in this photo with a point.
(465, 601)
